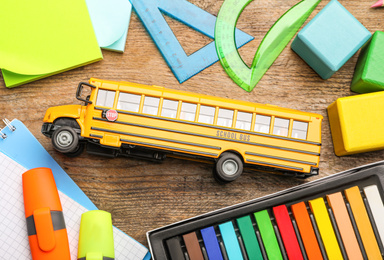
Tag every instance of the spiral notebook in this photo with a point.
(20, 151)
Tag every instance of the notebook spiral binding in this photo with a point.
(9, 125)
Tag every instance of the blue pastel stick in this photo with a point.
(211, 243)
(183, 66)
(230, 241)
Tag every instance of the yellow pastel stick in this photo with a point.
(363, 223)
(326, 231)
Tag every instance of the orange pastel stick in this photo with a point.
(363, 223)
(306, 230)
(47, 235)
(344, 224)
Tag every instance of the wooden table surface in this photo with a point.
(143, 195)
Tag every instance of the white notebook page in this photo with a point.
(13, 228)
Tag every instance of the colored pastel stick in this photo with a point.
(344, 224)
(306, 230)
(326, 230)
(363, 223)
(231, 243)
(174, 248)
(287, 232)
(211, 244)
(378, 4)
(193, 246)
(268, 235)
(249, 237)
(377, 208)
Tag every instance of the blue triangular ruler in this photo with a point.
(182, 65)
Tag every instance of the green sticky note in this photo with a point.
(249, 237)
(268, 235)
(41, 38)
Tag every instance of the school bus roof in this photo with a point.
(202, 98)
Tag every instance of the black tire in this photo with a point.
(228, 168)
(65, 140)
(79, 150)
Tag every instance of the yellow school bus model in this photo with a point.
(122, 118)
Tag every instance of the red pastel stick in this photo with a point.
(287, 232)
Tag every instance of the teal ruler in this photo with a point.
(151, 13)
(270, 47)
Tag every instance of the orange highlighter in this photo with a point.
(47, 233)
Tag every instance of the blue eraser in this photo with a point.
(330, 39)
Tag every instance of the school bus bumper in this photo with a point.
(47, 129)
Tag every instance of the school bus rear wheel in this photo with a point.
(65, 139)
(229, 167)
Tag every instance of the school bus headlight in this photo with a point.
(47, 117)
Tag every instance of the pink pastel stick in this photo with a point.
(378, 4)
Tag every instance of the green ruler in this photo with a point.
(270, 47)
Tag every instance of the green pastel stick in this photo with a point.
(249, 237)
(268, 235)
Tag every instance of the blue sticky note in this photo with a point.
(211, 243)
(330, 39)
(183, 66)
(230, 241)
(110, 20)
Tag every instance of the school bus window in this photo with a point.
(188, 111)
(129, 102)
(206, 115)
(299, 130)
(151, 105)
(169, 108)
(105, 98)
(244, 120)
(281, 126)
(225, 117)
(262, 124)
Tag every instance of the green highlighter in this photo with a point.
(96, 236)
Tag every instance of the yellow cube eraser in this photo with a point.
(357, 123)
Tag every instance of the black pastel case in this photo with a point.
(243, 231)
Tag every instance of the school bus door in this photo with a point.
(100, 105)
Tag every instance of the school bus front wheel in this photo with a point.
(229, 167)
(65, 140)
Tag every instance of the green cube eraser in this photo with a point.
(369, 71)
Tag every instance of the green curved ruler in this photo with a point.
(270, 47)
